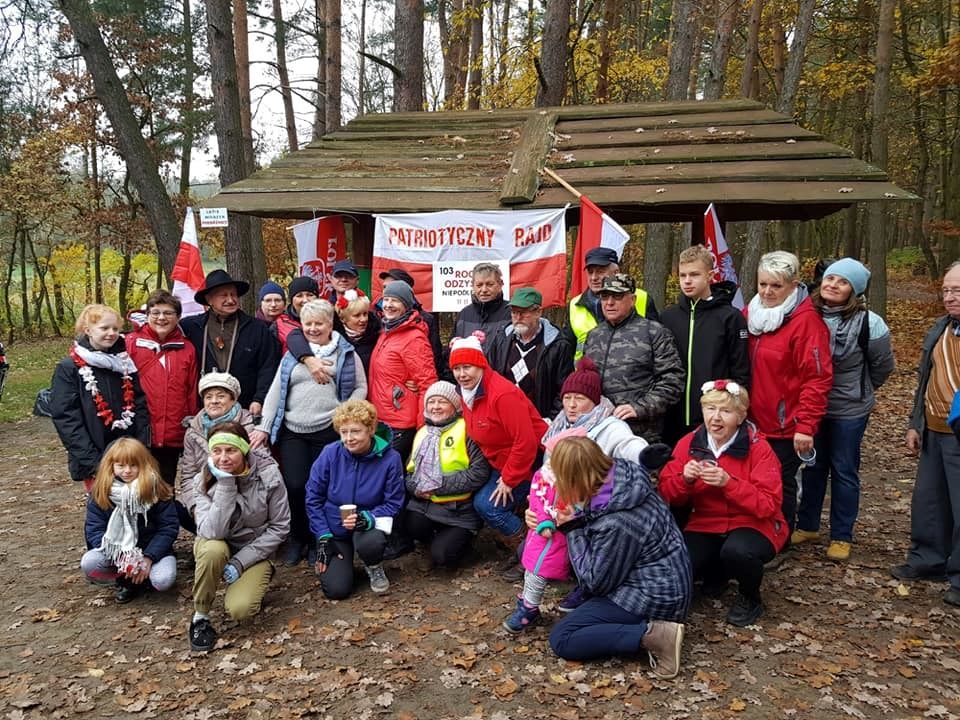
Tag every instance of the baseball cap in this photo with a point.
(601, 256)
(525, 298)
(618, 284)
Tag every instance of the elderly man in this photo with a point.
(935, 507)
(584, 309)
(640, 368)
(532, 353)
(345, 276)
(228, 340)
(487, 311)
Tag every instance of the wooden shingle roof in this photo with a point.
(640, 162)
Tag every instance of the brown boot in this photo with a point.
(662, 642)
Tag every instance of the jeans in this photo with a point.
(448, 543)
(838, 455)
(598, 629)
(502, 518)
(789, 465)
(739, 554)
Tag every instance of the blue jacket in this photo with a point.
(373, 482)
(155, 536)
(954, 419)
(627, 548)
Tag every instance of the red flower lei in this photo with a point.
(104, 411)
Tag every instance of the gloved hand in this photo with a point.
(231, 574)
(655, 456)
(365, 521)
(323, 552)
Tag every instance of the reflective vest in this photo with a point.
(453, 455)
(582, 320)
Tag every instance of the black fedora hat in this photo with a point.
(219, 278)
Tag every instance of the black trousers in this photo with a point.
(297, 454)
(739, 554)
(789, 465)
(448, 543)
(337, 581)
(167, 459)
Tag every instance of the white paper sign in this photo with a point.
(213, 217)
(453, 283)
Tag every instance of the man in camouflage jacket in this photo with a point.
(640, 368)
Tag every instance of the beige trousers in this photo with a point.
(244, 597)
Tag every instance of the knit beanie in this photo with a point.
(467, 351)
(399, 290)
(303, 284)
(853, 271)
(446, 390)
(220, 380)
(270, 288)
(585, 380)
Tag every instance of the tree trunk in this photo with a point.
(878, 145)
(141, 163)
(504, 42)
(716, 76)
(24, 290)
(362, 61)
(798, 49)
(280, 37)
(612, 14)
(682, 32)
(334, 65)
(241, 47)
(408, 39)
(553, 53)
(475, 76)
(123, 288)
(750, 79)
(186, 152)
(320, 105)
(752, 250)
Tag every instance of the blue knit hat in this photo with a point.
(270, 288)
(853, 271)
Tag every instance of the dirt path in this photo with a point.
(836, 640)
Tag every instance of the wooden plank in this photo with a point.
(307, 204)
(493, 167)
(802, 170)
(523, 178)
(671, 154)
(676, 136)
(480, 144)
(371, 183)
(401, 154)
(631, 123)
(425, 131)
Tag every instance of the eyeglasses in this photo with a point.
(162, 313)
(947, 292)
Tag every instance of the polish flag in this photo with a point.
(320, 244)
(597, 229)
(187, 273)
(716, 243)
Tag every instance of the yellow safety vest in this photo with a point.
(453, 455)
(582, 320)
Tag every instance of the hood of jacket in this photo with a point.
(550, 331)
(627, 486)
(722, 293)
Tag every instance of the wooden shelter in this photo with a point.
(641, 162)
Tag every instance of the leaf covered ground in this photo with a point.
(836, 641)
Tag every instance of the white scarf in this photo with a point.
(327, 349)
(119, 363)
(762, 319)
(119, 542)
(468, 396)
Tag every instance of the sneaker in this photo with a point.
(838, 551)
(952, 597)
(202, 636)
(745, 611)
(522, 617)
(574, 599)
(293, 553)
(662, 642)
(906, 571)
(378, 579)
(799, 537)
(127, 592)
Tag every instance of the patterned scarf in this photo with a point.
(207, 422)
(427, 473)
(119, 542)
(587, 421)
(119, 363)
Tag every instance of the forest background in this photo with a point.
(106, 106)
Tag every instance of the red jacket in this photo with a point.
(506, 426)
(285, 324)
(750, 499)
(168, 376)
(401, 354)
(792, 373)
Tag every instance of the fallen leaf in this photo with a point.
(907, 672)
(95, 672)
(384, 699)
(506, 689)
(46, 615)
(274, 651)
(903, 590)
(240, 704)
(737, 705)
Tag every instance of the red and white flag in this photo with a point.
(597, 229)
(439, 249)
(716, 243)
(187, 272)
(320, 244)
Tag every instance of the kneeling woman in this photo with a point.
(628, 555)
(445, 470)
(242, 519)
(354, 492)
(731, 477)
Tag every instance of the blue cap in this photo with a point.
(345, 266)
(601, 256)
(853, 271)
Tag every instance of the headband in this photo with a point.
(223, 438)
(728, 386)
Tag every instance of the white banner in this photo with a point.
(453, 283)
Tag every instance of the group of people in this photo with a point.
(329, 428)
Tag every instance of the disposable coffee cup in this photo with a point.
(809, 458)
(346, 511)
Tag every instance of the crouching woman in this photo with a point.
(628, 555)
(242, 518)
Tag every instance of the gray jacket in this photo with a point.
(918, 418)
(855, 375)
(249, 512)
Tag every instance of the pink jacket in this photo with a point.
(546, 557)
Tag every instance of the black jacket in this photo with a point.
(712, 339)
(74, 414)
(554, 363)
(155, 534)
(256, 354)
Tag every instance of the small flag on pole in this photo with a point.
(320, 244)
(597, 229)
(722, 259)
(187, 272)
